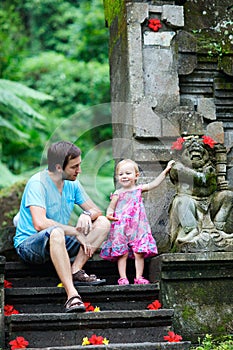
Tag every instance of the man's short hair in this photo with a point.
(60, 153)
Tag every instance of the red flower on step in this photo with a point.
(7, 284)
(9, 310)
(172, 337)
(155, 305)
(96, 339)
(154, 24)
(18, 343)
(207, 140)
(178, 144)
(89, 307)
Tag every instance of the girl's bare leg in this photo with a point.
(121, 263)
(139, 264)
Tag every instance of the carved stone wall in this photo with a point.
(161, 79)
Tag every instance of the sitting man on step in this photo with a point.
(43, 232)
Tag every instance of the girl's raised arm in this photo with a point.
(157, 181)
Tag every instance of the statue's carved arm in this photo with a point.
(203, 182)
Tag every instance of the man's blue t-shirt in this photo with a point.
(42, 192)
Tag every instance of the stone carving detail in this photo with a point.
(201, 215)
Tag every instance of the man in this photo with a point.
(42, 230)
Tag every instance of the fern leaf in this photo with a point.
(5, 124)
(18, 105)
(23, 91)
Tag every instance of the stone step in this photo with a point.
(124, 346)
(27, 275)
(107, 297)
(60, 329)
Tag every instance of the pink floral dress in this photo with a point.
(132, 232)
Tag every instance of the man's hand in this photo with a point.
(84, 224)
(88, 249)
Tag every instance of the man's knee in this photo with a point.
(57, 235)
(103, 222)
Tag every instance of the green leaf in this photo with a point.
(10, 100)
(6, 178)
(4, 123)
(23, 91)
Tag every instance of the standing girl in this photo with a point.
(130, 234)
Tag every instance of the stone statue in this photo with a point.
(201, 215)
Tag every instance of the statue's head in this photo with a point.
(195, 151)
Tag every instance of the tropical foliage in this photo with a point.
(54, 73)
(18, 121)
(209, 343)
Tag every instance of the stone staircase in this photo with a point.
(123, 318)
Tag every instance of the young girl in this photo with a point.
(130, 234)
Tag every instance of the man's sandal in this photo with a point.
(81, 278)
(74, 306)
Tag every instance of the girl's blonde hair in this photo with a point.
(125, 161)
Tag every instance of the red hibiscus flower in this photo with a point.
(7, 284)
(208, 141)
(155, 305)
(89, 307)
(96, 339)
(154, 24)
(178, 144)
(172, 337)
(18, 343)
(9, 310)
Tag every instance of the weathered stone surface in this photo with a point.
(216, 131)
(187, 64)
(201, 212)
(206, 107)
(187, 122)
(123, 346)
(31, 299)
(199, 288)
(143, 109)
(2, 302)
(62, 329)
(159, 73)
(226, 64)
(187, 42)
(159, 39)
(207, 13)
(186, 71)
(6, 242)
(173, 15)
(170, 128)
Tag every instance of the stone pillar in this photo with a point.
(198, 286)
(168, 82)
(2, 323)
(144, 90)
(144, 69)
(164, 84)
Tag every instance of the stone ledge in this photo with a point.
(199, 288)
(206, 265)
(62, 329)
(52, 299)
(124, 346)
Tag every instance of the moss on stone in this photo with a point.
(214, 43)
(113, 9)
(115, 18)
(188, 312)
(10, 198)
